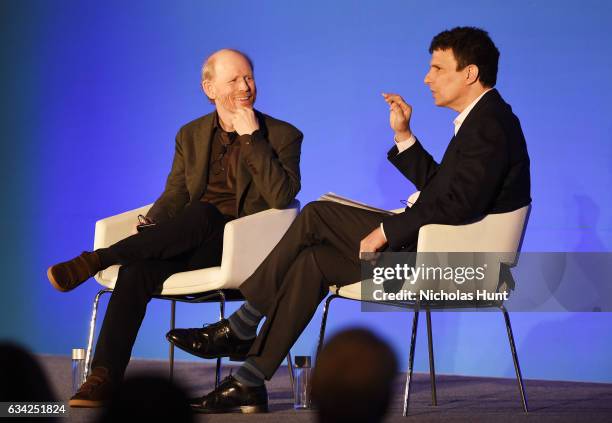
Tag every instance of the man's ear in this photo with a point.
(208, 89)
(471, 74)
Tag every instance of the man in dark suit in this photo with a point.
(485, 169)
(229, 163)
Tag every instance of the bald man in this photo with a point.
(229, 163)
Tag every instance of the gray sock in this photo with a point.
(244, 321)
(249, 375)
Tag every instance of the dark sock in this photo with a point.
(244, 321)
(249, 375)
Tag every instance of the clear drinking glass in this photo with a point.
(78, 368)
(302, 382)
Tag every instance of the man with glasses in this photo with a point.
(230, 163)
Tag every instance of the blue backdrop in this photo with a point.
(93, 94)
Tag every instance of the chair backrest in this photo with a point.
(248, 241)
(500, 232)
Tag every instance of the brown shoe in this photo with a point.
(95, 392)
(70, 274)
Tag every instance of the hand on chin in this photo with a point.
(244, 121)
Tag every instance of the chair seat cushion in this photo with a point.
(183, 283)
(352, 291)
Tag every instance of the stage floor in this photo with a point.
(460, 399)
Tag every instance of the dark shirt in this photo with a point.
(221, 188)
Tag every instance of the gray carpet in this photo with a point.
(460, 399)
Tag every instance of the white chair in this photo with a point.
(495, 233)
(246, 243)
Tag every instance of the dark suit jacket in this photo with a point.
(268, 174)
(484, 170)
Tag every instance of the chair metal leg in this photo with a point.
(221, 305)
(172, 324)
(415, 323)
(432, 367)
(221, 317)
(324, 323)
(92, 330)
(517, 367)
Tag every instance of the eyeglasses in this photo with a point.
(143, 220)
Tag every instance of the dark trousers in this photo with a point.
(321, 248)
(191, 240)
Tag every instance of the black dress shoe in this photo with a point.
(211, 341)
(233, 397)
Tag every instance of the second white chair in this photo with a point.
(494, 233)
(246, 243)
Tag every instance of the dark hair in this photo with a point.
(470, 46)
(353, 378)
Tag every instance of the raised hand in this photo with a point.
(399, 116)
